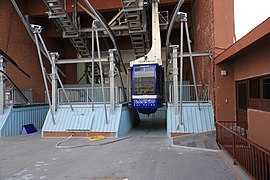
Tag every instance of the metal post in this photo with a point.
(2, 85)
(191, 63)
(181, 72)
(54, 56)
(36, 31)
(117, 99)
(93, 64)
(50, 59)
(175, 79)
(101, 75)
(111, 75)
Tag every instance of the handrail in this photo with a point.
(243, 138)
(85, 97)
(189, 94)
(251, 157)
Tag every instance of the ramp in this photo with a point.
(85, 122)
(195, 121)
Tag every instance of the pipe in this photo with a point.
(169, 30)
(108, 29)
(192, 66)
(101, 76)
(44, 77)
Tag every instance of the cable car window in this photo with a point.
(144, 72)
(144, 79)
(144, 89)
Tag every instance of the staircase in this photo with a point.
(60, 18)
(136, 20)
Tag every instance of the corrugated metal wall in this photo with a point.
(195, 121)
(22, 116)
(83, 119)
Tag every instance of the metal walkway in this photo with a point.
(60, 18)
(135, 13)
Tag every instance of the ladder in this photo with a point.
(136, 21)
(60, 18)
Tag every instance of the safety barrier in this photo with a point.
(189, 94)
(84, 95)
(254, 159)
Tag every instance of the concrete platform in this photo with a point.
(138, 158)
(201, 141)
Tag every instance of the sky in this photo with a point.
(249, 14)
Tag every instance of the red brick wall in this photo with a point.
(213, 26)
(15, 41)
(204, 40)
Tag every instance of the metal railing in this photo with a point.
(12, 97)
(254, 159)
(83, 95)
(189, 94)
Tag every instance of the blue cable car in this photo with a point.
(147, 87)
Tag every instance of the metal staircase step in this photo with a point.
(134, 16)
(66, 26)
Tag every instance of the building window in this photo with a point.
(259, 93)
(266, 88)
(242, 96)
(254, 88)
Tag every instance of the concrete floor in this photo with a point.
(137, 157)
(205, 140)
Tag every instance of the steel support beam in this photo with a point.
(175, 79)
(79, 61)
(111, 74)
(2, 85)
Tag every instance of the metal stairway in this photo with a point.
(136, 21)
(60, 18)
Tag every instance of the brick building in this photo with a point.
(211, 27)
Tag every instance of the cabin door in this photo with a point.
(242, 97)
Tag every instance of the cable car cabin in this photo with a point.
(147, 87)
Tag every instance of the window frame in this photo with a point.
(259, 103)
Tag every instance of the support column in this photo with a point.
(54, 57)
(2, 85)
(175, 79)
(111, 74)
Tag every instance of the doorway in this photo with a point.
(242, 102)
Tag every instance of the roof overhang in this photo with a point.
(251, 38)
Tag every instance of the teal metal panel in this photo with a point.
(129, 118)
(195, 121)
(3, 119)
(83, 119)
(22, 116)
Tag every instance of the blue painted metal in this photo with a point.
(15, 118)
(83, 119)
(149, 79)
(129, 118)
(3, 118)
(195, 121)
